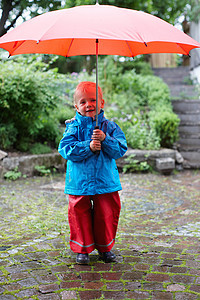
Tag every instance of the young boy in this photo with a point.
(92, 179)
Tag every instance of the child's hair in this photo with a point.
(84, 86)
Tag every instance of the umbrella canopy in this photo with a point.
(96, 29)
(74, 31)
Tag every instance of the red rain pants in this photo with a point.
(93, 222)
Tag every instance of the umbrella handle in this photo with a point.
(98, 151)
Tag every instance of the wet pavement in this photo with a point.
(157, 244)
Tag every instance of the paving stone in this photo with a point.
(195, 288)
(175, 287)
(112, 275)
(7, 297)
(70, 284)
(122, 267)
(49, 297)
(29, 282)
(162, 296)
(178, 270)
(138, 295)
(48, 288)
(141, 267)
(15, 269)
(27, 293)
(68, 276)
(32, 265)
(83, 268)
(90, 276)
(193, 264)
(134, 275)
(158, 277)
(2, 279)
(183, 279)
(101, 267)
(114, 285)
(188, 296)
(59, 269)
(154, 262)
(94, 294)
(153, 286)
(114, 294)
(160, 269)
(37, 256)
(68, 295)
(13, 286)
(96, 285)
(50, 278)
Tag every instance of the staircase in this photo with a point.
(186, 105)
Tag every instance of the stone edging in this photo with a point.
(162, 160)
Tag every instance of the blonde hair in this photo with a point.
(84, 86)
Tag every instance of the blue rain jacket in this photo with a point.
(89, 173)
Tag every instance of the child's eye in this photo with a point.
(93, 100)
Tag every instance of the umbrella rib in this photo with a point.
(70, 47)
(183, 49)
(130, 49)
(15, 47)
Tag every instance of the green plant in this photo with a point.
(13, 175)
(42, 170)
(27, 97)
(165, 123)
(134, 165)
(8, 134)
(39, 148)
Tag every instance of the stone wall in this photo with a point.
(162, 160)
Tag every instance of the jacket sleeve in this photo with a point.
(71, 148)
(115, 144)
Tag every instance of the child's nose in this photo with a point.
(89, 103)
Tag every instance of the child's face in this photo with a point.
(86, 102)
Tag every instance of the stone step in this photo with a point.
(172, 80)
(189, 119)
(182, 91)
(191, 159)
(193, 142)
(189, 131)
(186, 106)
(187, 148)
(175, 72)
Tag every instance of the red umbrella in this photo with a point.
(96, 29)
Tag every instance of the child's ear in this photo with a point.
(102, 103)
(76, 107)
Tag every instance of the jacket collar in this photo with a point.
(88, 120)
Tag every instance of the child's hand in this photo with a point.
(95, 145)
(98, 135)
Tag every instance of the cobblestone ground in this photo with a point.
(157, 245)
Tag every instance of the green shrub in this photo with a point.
(140, 135)
(27, 97)
(141, 106)
(165, 124)
(39, 148)
(8, 135)
(65, 112)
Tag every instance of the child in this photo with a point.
(92, 179)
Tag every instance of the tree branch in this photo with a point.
(6, 8)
